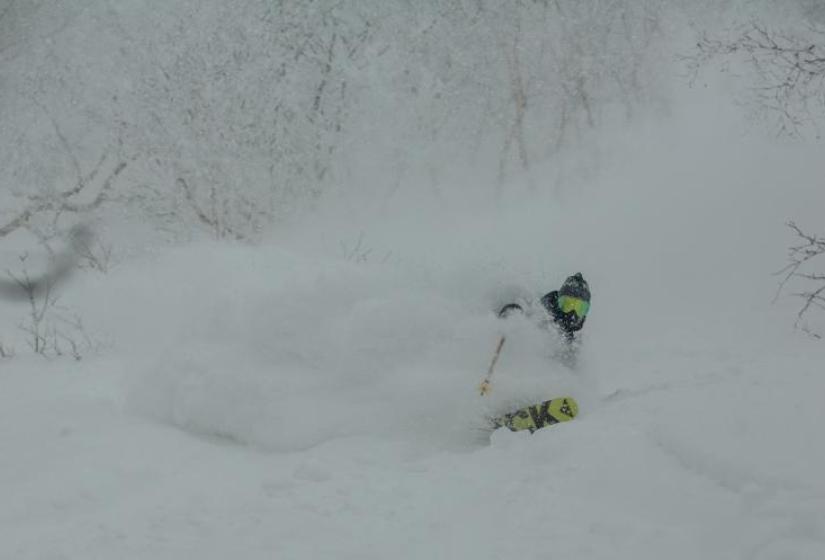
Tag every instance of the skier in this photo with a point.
(567, 307)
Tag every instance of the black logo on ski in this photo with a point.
(541, 415)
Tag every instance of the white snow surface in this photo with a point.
(295, 401)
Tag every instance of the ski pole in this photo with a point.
(485, 387)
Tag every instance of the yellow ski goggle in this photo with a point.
(574, 304)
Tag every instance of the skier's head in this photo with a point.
(574, 298)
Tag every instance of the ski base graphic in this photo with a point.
(537, 416)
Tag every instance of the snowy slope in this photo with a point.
(287, 401)
(723, 463)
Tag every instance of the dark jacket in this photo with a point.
(567, 322)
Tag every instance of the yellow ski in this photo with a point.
(534, 417)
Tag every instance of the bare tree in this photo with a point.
(800, 256)
(518, 94)
(93, 253)
(51, 329)
(41, 299)
(787, 71)
(25, 287)
(240, 114)
(88, 192)
(786, 74)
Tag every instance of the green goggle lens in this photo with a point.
(576, 305)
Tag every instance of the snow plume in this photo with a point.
(377, 318)
(265, 347)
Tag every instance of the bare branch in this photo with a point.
(218, 226)
(101, 197)
(21, 219)
(25, 288)
(800, 256)
(788, 71)
(64, 142)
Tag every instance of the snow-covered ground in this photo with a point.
(316, 398)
